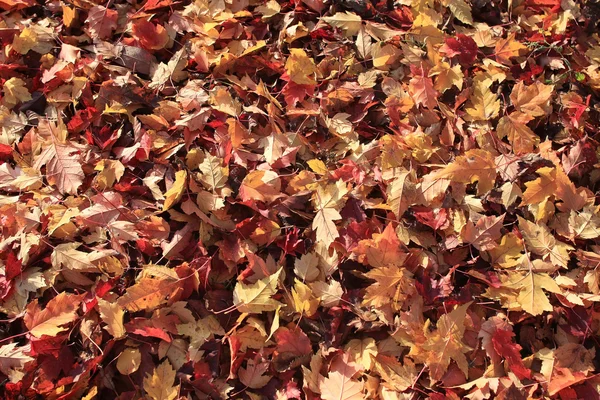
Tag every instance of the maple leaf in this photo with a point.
(530, 287)
(461, 10)
(446, 76)
(160, 385)
(306, 267)
(102, 21)
(364, 44)
(49, 321)
(485, 105)
(532, 100)
(110, 171)
(303, 299)
(112, 314)
(13, 359)
(502, 342)
(300, 67)
(584, 224)
(214, 176)
(63, 167)
(173, 195)
(150, 36)
(445, 344)
(362, 352)
(508, 48)
(421, 88)
(508, 253)
(261, 186)
(147, 293)
(327, 201)
(328, 293)
(476, 165)
(393, 285)
(257, 297)
(8, 5)
(253, 375)
(395, 376)
(173, 70)
(348, 22)
(541, 188)
(339, 385)
(540, 241)
(484, 234)
(401, 193)
(200, 331)
(15, 92)
(383, 250)
(521, 137)
(66, 255)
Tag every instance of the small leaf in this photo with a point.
(174, 194)
(129, 361)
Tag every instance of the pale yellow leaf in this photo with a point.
(112, 315)
(348, 22)
(173, 195)
(257, 297)
(15, 92)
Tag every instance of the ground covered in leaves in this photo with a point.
(299, 200)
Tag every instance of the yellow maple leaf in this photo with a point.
(173, 195)
(112, 315)
(304, 301)
(476, 165)
(348, 22)
(339, 383)
(300, 67)
(542, 242)
(553, 182)
(508, 48)
(521, 137)
(161, 384)
(541, 188)
(15, 92)
(530, 287)
(148, 293)
(533, 100)
(383, 250)
(261, 186)
(26, 40)
(395, 375)
(110, 171)
(483, 104)
(327, 201)
(446, 76)
(393, 285)
(446, 344)
(362, 351)
(401, 193)
(257, 297)
(508, 253)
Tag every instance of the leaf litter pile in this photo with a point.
(299, 200)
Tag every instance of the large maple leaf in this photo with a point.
(446, 344)
(50, 320)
